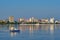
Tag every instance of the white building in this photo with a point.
(21, 19)
(33, 19)
(11, 19)
(51, 20)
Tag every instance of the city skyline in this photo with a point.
(15, 18)
(31, 20)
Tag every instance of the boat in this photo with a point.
(14, 30)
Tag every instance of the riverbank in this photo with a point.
(30, 23)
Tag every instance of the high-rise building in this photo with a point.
(33, 19)
(51, 20)
(20, 19)
(11, 19)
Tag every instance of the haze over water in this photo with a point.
(30, 32)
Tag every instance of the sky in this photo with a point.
(30, 8)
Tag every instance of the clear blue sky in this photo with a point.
(29, 8)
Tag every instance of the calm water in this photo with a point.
(30, 32)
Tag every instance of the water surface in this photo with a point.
(30, 32)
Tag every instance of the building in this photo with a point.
(33, 19)
(57, 21)
(1, 21)
(20, 19)
(11, 19)
(51, 20)
(44, 21)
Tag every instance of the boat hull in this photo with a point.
(14, 30)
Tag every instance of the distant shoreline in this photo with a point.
(30, 23)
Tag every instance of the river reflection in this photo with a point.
(31, 31)
(52, 28)
(31, 28)
(12, 27)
